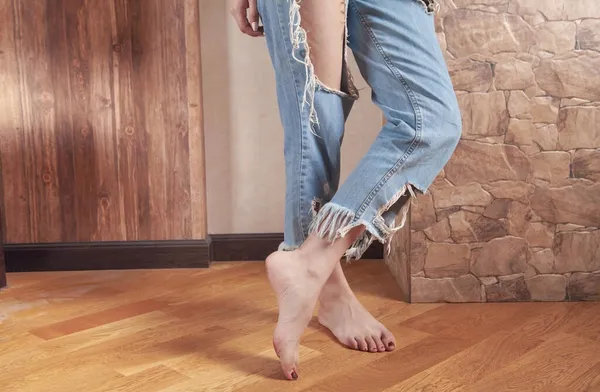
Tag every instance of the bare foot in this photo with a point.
(342, 313)
(297, 288)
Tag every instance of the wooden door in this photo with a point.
(101, 120)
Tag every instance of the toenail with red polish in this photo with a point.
(391, 344)
(294, 375)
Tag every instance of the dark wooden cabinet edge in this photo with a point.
(2, 269)
(147, 254)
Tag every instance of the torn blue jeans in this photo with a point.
(396, 48)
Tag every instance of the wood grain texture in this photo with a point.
(211, 330)
(101, 120)
(15, 194)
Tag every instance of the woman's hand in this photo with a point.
(245, 14)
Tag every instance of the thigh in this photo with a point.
(396, 48)
(324, 22)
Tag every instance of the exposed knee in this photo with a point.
(317, 33)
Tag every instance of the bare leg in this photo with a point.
(324, 22)
(297, 278)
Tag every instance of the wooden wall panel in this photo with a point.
(195, 120)
(12, 157)
(101, 120)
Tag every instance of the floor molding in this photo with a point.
(256, 247)
(2, 263)
(147, 254)
(244, 247)
(107, 255)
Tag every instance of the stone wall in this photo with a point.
(515, 214)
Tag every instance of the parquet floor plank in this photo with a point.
(211, 330)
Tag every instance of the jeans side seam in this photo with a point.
(302, 136)
(416, 109)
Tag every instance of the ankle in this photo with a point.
(317, 263)
(314, 245)
(334, 294)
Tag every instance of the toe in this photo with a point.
(291, 374)
(372, 346)
(290, 370)
(352, 343)
(379, 343)
(362, 344)
(288, 357)
(388, 340)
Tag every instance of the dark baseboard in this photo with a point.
(2, 269)
(147, 254)
(244, 247)
(256, 247)
(107, 255)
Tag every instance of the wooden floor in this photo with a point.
(210, 330)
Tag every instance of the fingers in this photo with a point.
(253, 14)
(240, 15)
